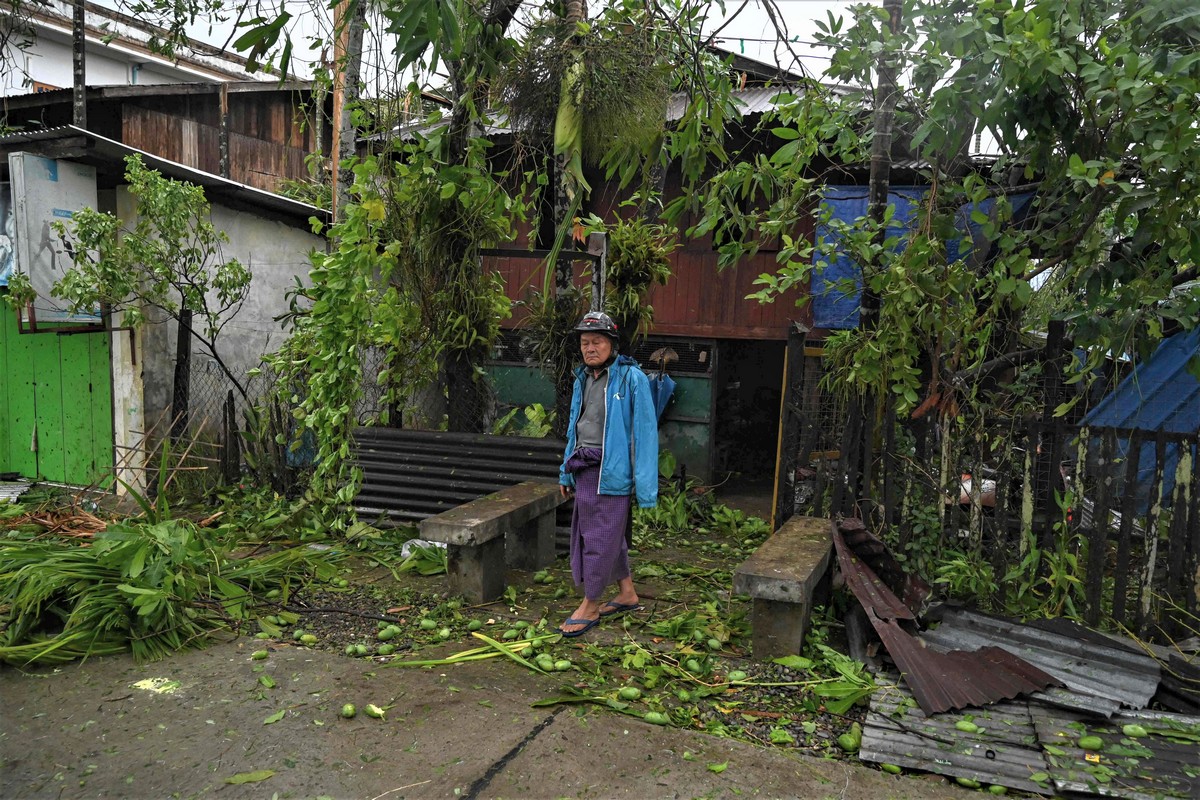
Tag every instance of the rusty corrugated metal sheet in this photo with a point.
(1090, 664)
(911, 590)
(939, 681)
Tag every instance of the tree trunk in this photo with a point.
(181, 389)
(347, 86)
(860, 456)
(565, 200)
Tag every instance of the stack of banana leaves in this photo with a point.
(146, 586)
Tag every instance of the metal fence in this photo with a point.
(1107, 518)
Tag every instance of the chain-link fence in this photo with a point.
(225, 437)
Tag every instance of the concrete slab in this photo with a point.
(790, 564)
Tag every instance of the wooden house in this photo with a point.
(254, 133)
(724, 418)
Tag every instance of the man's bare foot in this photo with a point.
(582, 618)
(620, 604)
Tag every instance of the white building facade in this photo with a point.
(37, 55)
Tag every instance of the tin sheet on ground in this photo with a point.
(1164, 763)
(1033, 747)
(1003, 751)
(939, 680)
(1100, 672)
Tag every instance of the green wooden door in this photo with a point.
(55, 404)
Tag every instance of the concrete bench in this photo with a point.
(511, 527)
(783, 578)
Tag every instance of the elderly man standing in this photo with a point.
(611, 455)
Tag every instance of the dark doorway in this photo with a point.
(749, 379)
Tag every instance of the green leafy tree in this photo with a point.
(1091, 106)
(441, 188)
(167, 259)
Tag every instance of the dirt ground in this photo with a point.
(191, 725)
(220, 721)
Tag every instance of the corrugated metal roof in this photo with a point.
(1023, 740)
(101, 149)
(754, 100)
(11, 490)
(1004, 751)
(939, 681)
(1160, 395)
(1085, 661)
(1146, 768)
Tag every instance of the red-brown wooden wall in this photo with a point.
(698, 301)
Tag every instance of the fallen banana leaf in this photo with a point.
(599, 700)
(478, 653)
(505, 651)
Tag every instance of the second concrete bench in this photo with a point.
(784, 577)
(511, 527)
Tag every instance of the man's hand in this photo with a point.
(565, 491)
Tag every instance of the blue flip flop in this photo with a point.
(587, 624)
(614, 608)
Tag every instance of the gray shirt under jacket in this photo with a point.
(589, 429)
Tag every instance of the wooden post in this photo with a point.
(1133, 455)
(181, 389)
(349, 19)
(1098, 538)
(1146, 588)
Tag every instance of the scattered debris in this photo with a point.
(1080, 728)
(939, 680)
(157, 685)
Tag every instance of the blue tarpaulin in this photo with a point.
(834, 306)
(1160, 395)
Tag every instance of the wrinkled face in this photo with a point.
(596, 348)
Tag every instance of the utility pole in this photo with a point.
(78, 67)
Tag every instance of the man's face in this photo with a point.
(596, 348)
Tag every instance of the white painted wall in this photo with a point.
(276, 253)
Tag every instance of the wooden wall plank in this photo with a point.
(21, 417)
(76, 433)
(7, 321)
(100, 392)
(48, 405)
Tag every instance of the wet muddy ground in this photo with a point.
(197, 724)
(222, 722)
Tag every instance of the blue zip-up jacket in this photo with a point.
(630, 460)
